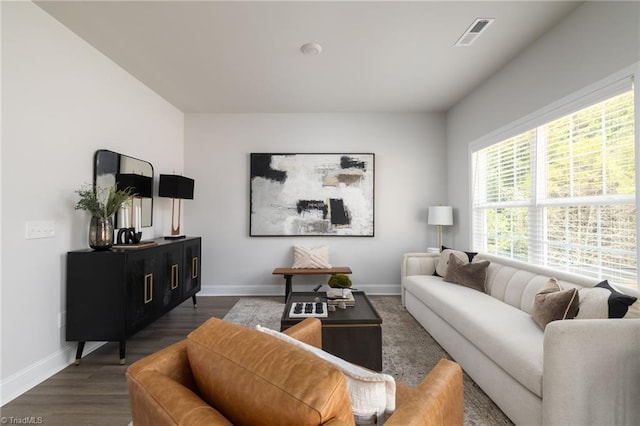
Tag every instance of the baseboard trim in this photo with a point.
(278, 290)
(25, 379)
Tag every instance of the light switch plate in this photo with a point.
(41, 229)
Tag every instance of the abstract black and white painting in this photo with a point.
(312, 194)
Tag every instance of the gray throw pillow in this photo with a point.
(552, 303)
(472, 275)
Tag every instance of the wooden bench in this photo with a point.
(290, 272)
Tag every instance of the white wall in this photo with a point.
(597, 40)
(61, 101)
(409, 176)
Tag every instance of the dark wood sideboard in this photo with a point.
(113, 294)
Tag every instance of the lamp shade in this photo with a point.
(176, 186)
(142, 185)
(440, 215)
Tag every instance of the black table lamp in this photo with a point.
(141, 186)
(178, 188)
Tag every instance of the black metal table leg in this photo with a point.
(287, 287)
(195, 303)
(79, 353)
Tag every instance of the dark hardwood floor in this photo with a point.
(95, 392)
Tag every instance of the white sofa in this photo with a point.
(576, 372)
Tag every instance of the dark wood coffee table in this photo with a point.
(353, 334)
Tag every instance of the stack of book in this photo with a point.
(337, 295)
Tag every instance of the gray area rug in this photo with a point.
(408, 351)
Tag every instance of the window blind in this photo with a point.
(563, 193)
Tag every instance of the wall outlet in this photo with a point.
(62, 319)
(41, 229)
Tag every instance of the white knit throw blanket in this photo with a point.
(372, 395)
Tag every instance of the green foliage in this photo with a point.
(100, 203)
(339, 280)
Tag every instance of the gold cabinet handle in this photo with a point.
(148, 288)
(194, 267)
(174, 276)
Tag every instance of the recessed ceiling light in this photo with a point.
(311, 49)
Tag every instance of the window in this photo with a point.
(563, 193)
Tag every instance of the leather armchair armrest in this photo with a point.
(438, 399)
(157, 400)
(308, 331)
(171, 362)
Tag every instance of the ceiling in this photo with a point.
(240, 56)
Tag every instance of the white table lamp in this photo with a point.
(440, 216)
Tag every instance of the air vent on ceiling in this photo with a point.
(474, 31)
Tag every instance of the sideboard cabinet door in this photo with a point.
(96, 296)
(170, 280)
(142, 289)
(192, 252)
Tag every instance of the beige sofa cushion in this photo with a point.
(253, 378)
(505, 334)
(517, 283)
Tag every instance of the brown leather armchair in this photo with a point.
(225, 374)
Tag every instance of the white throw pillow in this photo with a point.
(594, 303)
(605, 301)
(372, 395)
(443, 262)
(311, 258)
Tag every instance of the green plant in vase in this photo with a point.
(339, 281)
(102, 204)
